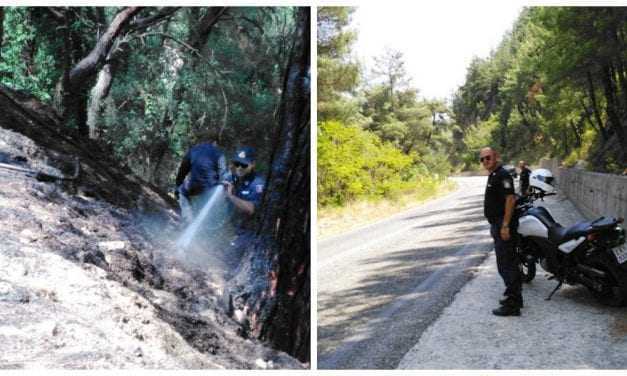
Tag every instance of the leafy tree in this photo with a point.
(338, 72)
(557, 78)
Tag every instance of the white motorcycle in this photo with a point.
(591, 253)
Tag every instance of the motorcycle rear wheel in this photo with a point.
(614, 292)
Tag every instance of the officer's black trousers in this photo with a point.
(507, 262)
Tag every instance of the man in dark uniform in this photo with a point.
(524, 178)
(206, 166)
(498, 209)
(245, 192)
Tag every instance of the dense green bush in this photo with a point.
(354, 163)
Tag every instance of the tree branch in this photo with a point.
(89, 64)
(144, 23)
(205, 25)
(170, 37)
(59, 16)
(254, 23)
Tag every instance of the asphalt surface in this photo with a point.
(571, 331)
(380, 287)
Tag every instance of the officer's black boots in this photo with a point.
(507, 310)
(507, 299)
(509, 307)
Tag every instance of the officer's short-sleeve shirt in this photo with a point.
(250, 189)
(500, 184)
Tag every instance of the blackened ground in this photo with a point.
(84, 281)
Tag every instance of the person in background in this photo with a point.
(524, 178)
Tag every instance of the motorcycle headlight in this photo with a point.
(617, 237)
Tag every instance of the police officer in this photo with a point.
(498, 209)
(206, 165)
(524, 178)
(245, 190)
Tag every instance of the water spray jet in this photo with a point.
(188, 235)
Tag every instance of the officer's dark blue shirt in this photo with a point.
(249, 188)
(500, 184)
(206, 165)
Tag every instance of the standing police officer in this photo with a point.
(524, 178)
(498, 209)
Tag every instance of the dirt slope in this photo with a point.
(88, 273)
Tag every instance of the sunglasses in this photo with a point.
(487, 158)
(240, 165)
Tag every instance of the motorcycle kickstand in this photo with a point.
(555, 290)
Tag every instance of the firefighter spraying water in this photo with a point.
(210, 195)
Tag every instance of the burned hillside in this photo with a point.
(83, 283)
(96, 121)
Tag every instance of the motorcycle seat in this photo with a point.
(559, 234)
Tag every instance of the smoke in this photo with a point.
(202, 245)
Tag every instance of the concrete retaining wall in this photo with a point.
(593, 193)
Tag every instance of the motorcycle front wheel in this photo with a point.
(613, 290)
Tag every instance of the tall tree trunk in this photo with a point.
(613, 110)
(576, 131)
(595, 107)
(76, 91)
(276, 298)
(197, 39)
(287, 215)
(503, 122)
(98, 93)
(89, 65)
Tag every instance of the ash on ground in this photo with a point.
(85, 283)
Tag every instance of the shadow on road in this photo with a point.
(396, 282)
(467, 205)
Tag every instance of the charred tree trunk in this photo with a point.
(276, 297)
(287, 214)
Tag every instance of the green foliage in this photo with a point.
(477, 137)
(553, 83)
(378, 141)
(354, 163)
(338, 72)
(165, 95)
(26, 62)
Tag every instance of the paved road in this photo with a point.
(381, 286)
